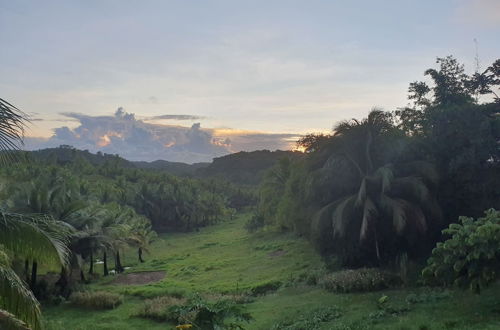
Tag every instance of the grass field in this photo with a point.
(226, 259)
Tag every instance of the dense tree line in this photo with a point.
(388, 184)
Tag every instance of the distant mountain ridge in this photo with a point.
(241, 167)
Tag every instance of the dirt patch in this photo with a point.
(277, 253)
(139, 277)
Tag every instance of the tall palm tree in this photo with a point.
(378, 200)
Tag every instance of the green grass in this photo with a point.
(225, 258)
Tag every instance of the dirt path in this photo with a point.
(139, 277)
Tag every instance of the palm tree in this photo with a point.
(23, 237)
(28, 238)
(12, 126)
(375, 200)
(141, 236)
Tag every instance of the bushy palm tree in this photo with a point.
(374, 201)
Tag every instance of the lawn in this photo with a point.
(226, 259)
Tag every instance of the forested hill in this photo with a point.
(241, 167)
(246, 167)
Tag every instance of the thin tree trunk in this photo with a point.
(105, 260)
(91, 269)
(82, 275)
(27, 270)
(118, 264)
(376, 245)
(140, 254)
(33, 276)
(62, 282)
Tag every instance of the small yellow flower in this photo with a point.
(184, 326)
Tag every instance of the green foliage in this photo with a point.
(205, 315)
(471, 256)
(254, 223)
(359, 280)
(310, 320)
(96, 299)
(265, 287)
(163, 308)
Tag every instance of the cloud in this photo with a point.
(135, 139)
(175, 117)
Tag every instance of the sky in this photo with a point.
(191, 80)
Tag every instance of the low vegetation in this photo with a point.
(96, 299)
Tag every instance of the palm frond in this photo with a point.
(396, 208)
(12, 126)
(26, 237)
(369, 214)
(386, 175)
(16, 298)
(340, 217)
(413, 187)
(361, 196)
(9, 321)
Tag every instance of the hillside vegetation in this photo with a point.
(225, 259)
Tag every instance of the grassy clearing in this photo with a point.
(225, 259)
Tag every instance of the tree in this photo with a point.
(28, 238)
(470, 257)
(21, 236)
(374, 202)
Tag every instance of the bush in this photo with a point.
(161, 308)
(264, 288)
(471, 257)
(359, 280)
(221, 314)
(311, 320)
(255, 223)
(96, 299)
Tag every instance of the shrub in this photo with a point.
(96, 299)
(255, 223)
(309, 320)
(161, 308)
(221, 314)
(154, 291)
(264, 288)
(470, 257)
(359, 280)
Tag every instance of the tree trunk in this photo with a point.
(118, 264)
(27, 270)
(376, 245)
(82, 275)
(91, 269)
(140, 254)
(105, 260)
(62, 282)
(33, 276)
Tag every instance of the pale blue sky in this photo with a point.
(268, 66)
